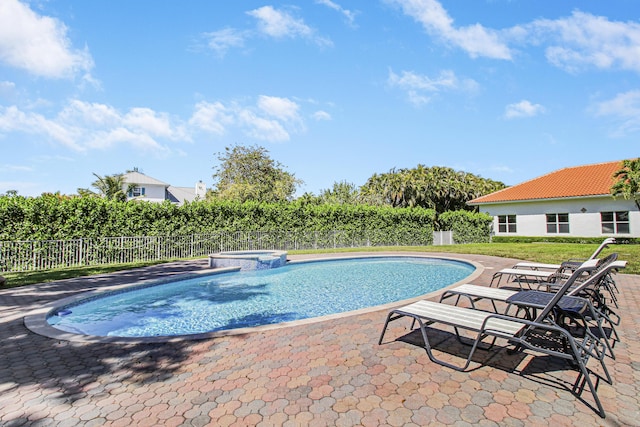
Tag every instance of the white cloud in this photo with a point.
(261, 128)
(81, 126)
(39, 44)
(280, 24)
(270, 119)
(624, 109)
(222, 40)
(584, 40)
(106, 139)
(139, 126)
(574, 43)
(348, 14)
(150, 122)
(522, 109)
(274, 23)
(476, 40)
(212, 117)
(321, 115)
(14, 120)
(82, 113)
(281, 108)
(419, 87)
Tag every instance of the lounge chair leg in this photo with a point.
(584, 373)
(393, 316)
(434, 359)
(386, 323)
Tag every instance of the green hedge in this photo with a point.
(467, 227)
(554, 239)
(53, 217)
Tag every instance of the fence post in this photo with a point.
(34, 260)
(35, 255)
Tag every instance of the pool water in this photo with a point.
(246, 299)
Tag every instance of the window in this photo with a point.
(558, 223)
(506, 223)
(615, 222)
(136, 192)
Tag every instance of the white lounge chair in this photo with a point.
(514, 330)
(571, 305)
(525, 277)
(500, 294)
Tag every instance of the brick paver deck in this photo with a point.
(330, 373)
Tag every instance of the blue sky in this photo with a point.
(335, 90)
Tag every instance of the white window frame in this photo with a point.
(137, 192)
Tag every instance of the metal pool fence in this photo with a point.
(33, 255)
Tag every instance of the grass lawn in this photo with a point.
(42, 276)
(539, 252)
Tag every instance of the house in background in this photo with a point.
(152, 190)
(574, 202)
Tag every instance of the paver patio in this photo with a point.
(326, 373)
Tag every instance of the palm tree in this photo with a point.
(440, 188)
(627, 182)
(110, 187)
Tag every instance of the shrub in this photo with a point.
(53, 217)
(467, 227)
(557, 239)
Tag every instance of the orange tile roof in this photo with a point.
(588, 180)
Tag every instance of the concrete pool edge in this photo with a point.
(36, 320)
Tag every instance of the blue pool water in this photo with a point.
(252, 298)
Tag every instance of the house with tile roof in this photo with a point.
(150, 189)
(574, 201)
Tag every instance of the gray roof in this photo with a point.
(142, 179)
(181, 194)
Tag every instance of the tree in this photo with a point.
(10, 193)
(627, 182)
(248, 173)
(110, 187)
(440, 188)
(342, 192)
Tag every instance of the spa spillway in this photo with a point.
(248, 260)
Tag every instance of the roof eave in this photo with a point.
(547, 199)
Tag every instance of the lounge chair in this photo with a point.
(601, 277)
(515, 330)
(567, 264)
(540, 278)
(584, 301)
(528, 277)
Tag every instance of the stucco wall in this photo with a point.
(152, 193)
(584, 216)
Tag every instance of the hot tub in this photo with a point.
(248, 260)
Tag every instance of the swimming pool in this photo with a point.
(228, 301)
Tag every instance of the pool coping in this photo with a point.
(36, 320)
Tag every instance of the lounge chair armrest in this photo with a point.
(524, 322)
